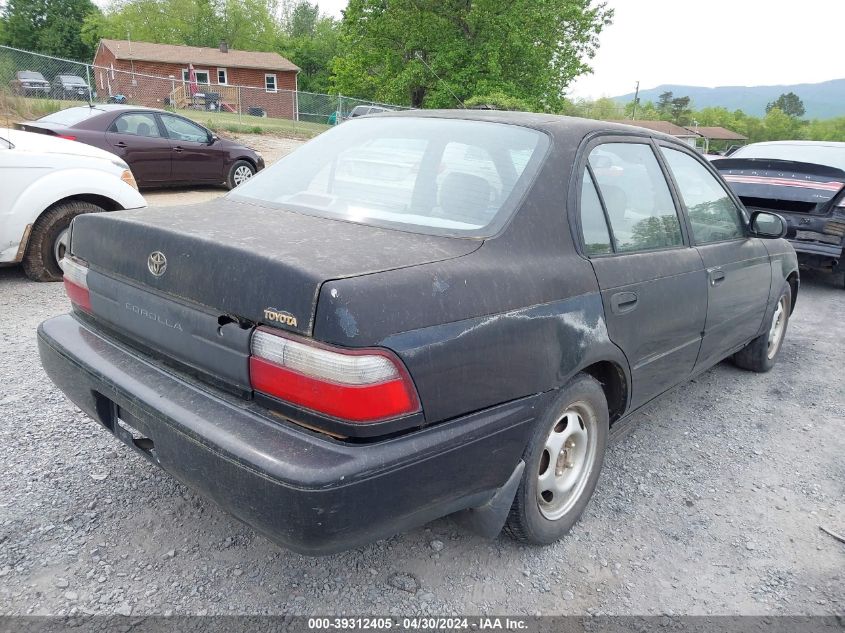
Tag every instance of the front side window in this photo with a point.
(639, 204)
(713, 215)
(436, 176)
(593, 223)
(137, 123)
(270, 83)
(178, 129)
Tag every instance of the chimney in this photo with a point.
(224, 47)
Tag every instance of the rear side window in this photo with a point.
(137, 123)
(71, 116)
(639, 204)
(712, 213)
(593, 223)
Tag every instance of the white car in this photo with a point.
(47, 181)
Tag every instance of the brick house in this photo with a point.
(157, 74)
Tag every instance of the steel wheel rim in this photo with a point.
(60, 248)
(242, 174)
(777, 328)
(566, 461)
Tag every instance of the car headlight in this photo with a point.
(129, 179)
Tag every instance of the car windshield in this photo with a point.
(71, 116)
(830, 155)
(30, 75)
(438, 176)
(73, 79)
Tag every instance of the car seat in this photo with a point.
(465, 198)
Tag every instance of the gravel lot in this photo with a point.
(712, 505)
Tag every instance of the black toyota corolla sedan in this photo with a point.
(417, 314)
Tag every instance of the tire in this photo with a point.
(761, 354)
(237, 174)
(540, 515)
(39, 260)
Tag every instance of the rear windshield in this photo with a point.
(437, 176)
(829, 155)
(71, 116)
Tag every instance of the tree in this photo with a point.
(789, 103)
(311, 41)
(244, 24)
(47, 26)
(680, 111)
(664, 103)
(436, 53)
(779, 126)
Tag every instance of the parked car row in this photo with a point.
(28, 83)
(412, 315)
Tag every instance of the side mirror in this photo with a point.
(212, 138)
(767, 225)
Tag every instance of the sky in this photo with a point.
(710, 43)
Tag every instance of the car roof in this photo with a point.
(836, 144)
(559, 126)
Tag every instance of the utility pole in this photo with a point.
(636, 102)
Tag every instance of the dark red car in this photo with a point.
(161, 147)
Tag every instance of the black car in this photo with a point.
(28, 83)
(804, 181)
(335, 354)
(70, 87)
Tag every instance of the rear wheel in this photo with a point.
(240, 172)
(48, 240)
(562, 464)
(760, 354)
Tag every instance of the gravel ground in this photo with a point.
(712, 505)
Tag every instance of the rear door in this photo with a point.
(195, 158)
(137, 138)
(653, 283)
(739, 271)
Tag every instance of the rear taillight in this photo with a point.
(367, 385)
(76, 283)
(67, 137)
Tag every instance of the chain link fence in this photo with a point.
(32, 85)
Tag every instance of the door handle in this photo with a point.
(623, 302)
(121, 144)
(716, 277)
(178, 148)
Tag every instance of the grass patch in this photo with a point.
(18, 108)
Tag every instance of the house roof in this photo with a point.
(718, 133)
(176, 54)
(665, 127)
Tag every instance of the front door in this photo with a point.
(738, 267)
(653, 284)
(137, 139)
(195, 157)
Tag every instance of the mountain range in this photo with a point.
(822, 100)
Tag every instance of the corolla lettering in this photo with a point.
(154, 317)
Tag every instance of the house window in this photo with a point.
(222, 76)
(270, 83)
(201, 75)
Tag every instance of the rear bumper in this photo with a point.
(303, 490)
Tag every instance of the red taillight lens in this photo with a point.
(352, 385)
(67, 137)
(76, 283)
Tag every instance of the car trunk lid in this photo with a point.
(242, 261)
(781, 185)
